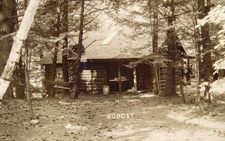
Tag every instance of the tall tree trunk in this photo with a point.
(65, 46)
(153, 6)
(20, 71)
(7, 9)
(207, 61)
(55, 58)
(20, 86)
(54, 69)
(198, 44)
(180, 65)
(155, 26)
(27, 73)
(79, 52)
(28, 92)
(198, 58)
(20, 37)
(170, 88)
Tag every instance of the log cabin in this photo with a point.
(105, 59)
(103, 63)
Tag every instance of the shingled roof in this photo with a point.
(107, 45)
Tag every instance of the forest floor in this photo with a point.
(114, 117)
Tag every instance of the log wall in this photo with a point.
(162, 77)
(92, 81)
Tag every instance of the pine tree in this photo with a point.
(65, 46)
(204, 8)
(170, 88)
(79, 52)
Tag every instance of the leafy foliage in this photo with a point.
(217, 17)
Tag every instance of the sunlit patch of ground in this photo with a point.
(122, 117)
(197, 121)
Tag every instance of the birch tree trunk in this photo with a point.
(15, 53)
(7, 9)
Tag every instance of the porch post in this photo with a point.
(119, 77)
(188, 69)
(135, 79)
(188, 62)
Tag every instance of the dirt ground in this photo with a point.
(122, 117)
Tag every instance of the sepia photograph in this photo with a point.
(112, 70)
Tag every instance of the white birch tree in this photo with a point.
(15, 53)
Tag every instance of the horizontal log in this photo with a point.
(91, 76)
(93, 71)
(60, 87)
(90, 89)
(163, 84)
(92, 79)
(92, 83)
(59, 82)
(162, 77)
(88, 86)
